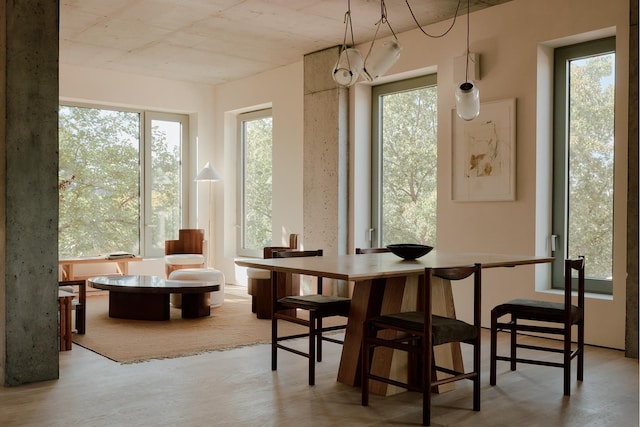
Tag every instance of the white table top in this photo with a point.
(383, 265)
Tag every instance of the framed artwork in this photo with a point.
(484, 154)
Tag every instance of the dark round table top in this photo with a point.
(151, 284)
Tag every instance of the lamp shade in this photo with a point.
(347, 69)
(467, 101)
(381, 59)
(208, 173)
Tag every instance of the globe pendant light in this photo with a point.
(347, 69)
(467, 94)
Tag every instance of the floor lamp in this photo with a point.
(208, 173)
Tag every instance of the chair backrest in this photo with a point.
(456, 273)
(291, 254)
(190, 241)
(267, 251)
(287, 253)
(360, 251)
(570, 265)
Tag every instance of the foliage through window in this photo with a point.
(583, 160)
(404, 153)
(255, 131)
(107, 189)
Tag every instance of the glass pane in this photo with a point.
(257, 183)
(98, 181)
(166, 212)
(590, 166)
(409, 148)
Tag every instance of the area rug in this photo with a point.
(127, 341)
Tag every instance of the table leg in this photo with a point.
(365, 303)
(64, 304)
(196, 305)
(81, 308)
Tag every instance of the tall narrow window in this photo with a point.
(404, 153)
(167, 136)
(255, 130)
(583, 160)
(106, 195)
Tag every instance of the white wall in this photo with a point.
(280, 89)
(509, 38)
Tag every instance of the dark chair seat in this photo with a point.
(530, 309)
(444, 329)
(323, 303)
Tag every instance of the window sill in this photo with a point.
(587, 295)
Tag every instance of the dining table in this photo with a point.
(384, 283)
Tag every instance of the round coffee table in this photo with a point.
(147, 297)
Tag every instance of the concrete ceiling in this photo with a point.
(214, 41)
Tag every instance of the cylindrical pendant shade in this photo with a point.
(381, 60)
(347, 69)
(467, 101)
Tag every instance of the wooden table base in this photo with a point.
(196, 305)
(127, 305)
(396, 294)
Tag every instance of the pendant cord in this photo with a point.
(437, 36)
(466, 76)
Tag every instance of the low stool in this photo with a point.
(200, 275)
(182, 261)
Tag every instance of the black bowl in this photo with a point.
(409, 251)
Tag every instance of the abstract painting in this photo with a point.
(484, 154)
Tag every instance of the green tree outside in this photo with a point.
(591, 145)
(257, 203)
(99, 209)
(409, 175)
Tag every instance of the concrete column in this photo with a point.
(28, 191)
(326, 115)
(325, 177)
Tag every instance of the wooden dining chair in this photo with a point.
(564, 315)
(417, 332)
(317, 305)
(259, 282)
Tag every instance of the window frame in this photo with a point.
(240, 207)
(144, 153)
(377, 92)
(146, 215)
(562, 56)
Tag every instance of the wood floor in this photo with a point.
(238, 388)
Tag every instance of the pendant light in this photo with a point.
(378, 62)
(467, 93)
(347, 69)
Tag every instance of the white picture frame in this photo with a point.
(484, 154)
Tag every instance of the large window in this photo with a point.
(255, 203)
(404, 153)
(583, 160)
(121, 183)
